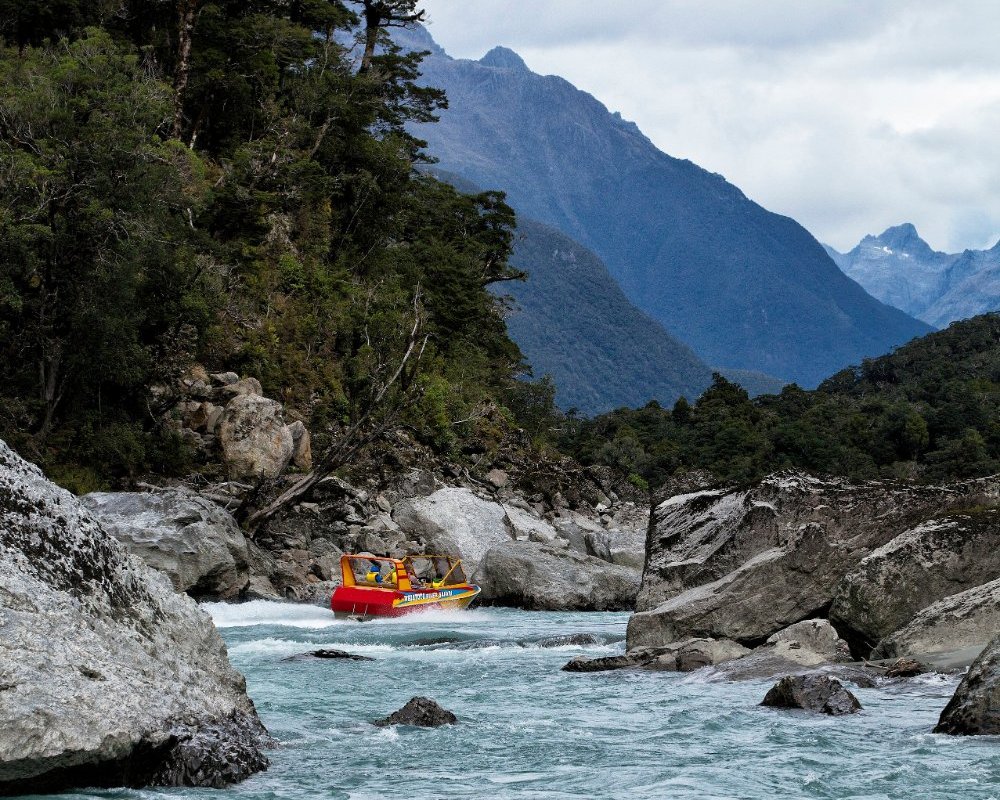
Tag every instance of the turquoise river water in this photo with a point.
(528, 730)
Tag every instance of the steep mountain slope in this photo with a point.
(745, 288)
(972, 287)
(572, 321)
(901, 269)
(897, 267)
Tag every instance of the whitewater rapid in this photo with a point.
(528, 730)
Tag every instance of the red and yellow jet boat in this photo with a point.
(374, 586)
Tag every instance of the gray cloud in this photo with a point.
(847, 116)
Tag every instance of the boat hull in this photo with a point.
(368, 602)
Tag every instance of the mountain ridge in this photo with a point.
(898, 267)
(745, 288)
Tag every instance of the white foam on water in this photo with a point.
(268, 612)
(445, 616)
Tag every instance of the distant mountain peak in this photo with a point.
(504, 58)
(904, 237)
(898, 240)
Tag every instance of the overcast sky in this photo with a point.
(848, 115)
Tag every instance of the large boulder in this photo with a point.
(937, 558)
(108, 677)
(454, 521)
(975, 707)
(959, 625)
(743, 564)
(799, 648)
(254, 439)
(197, 544)
(540, 576)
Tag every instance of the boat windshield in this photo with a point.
(373, 570)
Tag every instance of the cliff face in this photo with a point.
(107, 676)
(743, 564)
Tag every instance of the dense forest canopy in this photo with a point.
(928, 411)
(233, 183)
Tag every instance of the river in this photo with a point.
(528, 730)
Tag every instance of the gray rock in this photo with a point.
(261, 588)
(905, 668)
(799, 648)
(693, 654)
(964, 621)
(543, 577)
(974, 709)
(820, 694)
(497, 478)
(244, 386)
(809, 643)
(416, 483)
(255, 441)
(422, 712)
(627, 547)
(567, 640)
(454, 521)
(316, 594)
(197, 544)
(201, 415)
(224, 378)
(112, 678)
(301, 446)
(685, 656)
(328, 653)
(744, 564)
(927, 563)
(604, 663)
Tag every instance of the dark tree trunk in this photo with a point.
(186, 13)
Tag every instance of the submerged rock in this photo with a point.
(420, 711)
(974, 710)
(109, 676)
(197, 544)
(817, 693)
(607, 663)
(685, 656)
(538, 576)
(568, 639)
(330, 653)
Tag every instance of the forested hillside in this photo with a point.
(927, 411)
(225, 182)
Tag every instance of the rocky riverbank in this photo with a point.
(744, 564)
(108, 676)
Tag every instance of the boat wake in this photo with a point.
(268, 612)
